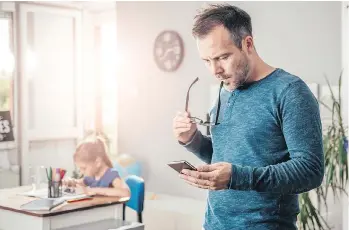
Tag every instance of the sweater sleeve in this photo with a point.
(201, 146)
(301, 126)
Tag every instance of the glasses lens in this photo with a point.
(196, 120)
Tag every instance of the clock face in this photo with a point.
(168, 51)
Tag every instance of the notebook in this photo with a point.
(42, 193)
(42, 204)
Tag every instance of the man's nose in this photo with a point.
(216, 68)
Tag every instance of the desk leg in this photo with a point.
(46, 223)
(118, 212)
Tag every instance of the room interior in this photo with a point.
(67, 68)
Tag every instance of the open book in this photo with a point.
(42, 204)
(46, 204)
(43, 193)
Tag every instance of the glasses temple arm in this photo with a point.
(219, 102)
(187, 97)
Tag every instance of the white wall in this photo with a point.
(303, 38)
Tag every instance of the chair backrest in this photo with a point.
(136, 185)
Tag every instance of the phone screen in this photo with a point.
(180, 165)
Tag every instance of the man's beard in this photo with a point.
(241, 75)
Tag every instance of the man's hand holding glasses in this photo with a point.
(184, 128)
(184, 125)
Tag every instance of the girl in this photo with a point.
(99, 176)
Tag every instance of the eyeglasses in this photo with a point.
(198, 120)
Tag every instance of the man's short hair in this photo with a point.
(234, 19)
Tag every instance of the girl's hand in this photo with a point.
(69, 182)
(87, 190)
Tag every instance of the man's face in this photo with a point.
(224, 60)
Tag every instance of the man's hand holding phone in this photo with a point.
(216, 176)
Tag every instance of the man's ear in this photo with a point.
(247, 44)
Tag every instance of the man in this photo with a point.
(267, 145)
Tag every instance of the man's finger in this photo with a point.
(181, 130)
(206, 168)
(197, 185)
(181, 125)
(197, 181)
(181, 121)
(201, 186)
(183, 114)
(197, 174)
(218, 164)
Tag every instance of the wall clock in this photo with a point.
(168, 50)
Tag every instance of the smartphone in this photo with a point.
(180, 165)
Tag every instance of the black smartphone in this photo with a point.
(180, 165)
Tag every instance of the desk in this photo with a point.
(65, 215)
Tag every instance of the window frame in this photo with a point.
(9, 7)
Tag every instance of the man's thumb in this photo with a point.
(205, 168)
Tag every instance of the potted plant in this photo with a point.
(335, 144)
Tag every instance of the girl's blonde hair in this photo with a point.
(91, 148)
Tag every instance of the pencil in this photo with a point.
(48, 178)
(50, 173)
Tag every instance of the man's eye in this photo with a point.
(224, 57)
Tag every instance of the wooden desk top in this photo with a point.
(9, 200)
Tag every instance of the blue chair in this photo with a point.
(136, 202)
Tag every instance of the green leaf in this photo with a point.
(340, 86)
(330, 174)
(329, 86)
(346, 173)
(341, 176)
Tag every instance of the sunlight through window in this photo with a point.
(109, 83)
(7, 62)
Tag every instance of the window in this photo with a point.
(109, 84)
(105, 86)
(6, 62)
